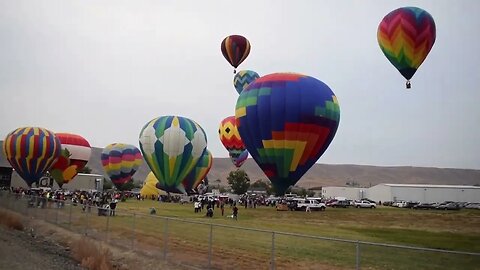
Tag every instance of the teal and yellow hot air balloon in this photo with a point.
(406, 36)
(243, 78)
(31, 151)
(172, 146)
(195, 177)
(287, 121)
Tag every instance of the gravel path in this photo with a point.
(19, 250)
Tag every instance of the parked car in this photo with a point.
(473, 206)
(425, 206)
(387, 203)
(448, 206)
(341, 204)
(400, 204)
(364, 204)
(314, 205)
(411, 204)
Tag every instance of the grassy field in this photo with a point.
(237, 248)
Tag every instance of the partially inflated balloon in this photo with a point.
(75, 154)
(195, 177)
(120, 162)
(238, 162)
(406, 36)
(231, 139)
(243, 78)
(287, 121)
(31, 151)
(235, 49)
(172, 146)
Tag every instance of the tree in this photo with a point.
(85, 169)
(260, 183)
(238, 181)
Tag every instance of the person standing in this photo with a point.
(222, 207)
(235, 212)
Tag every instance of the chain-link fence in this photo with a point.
(204, 245)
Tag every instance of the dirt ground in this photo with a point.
(44, 246)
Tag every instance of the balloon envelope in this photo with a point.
(195, 177)
(238, 161)
(120, 162)
(172, 146)
(243, 78)
(235, 49)
(287, 122)
(31, 151)
(231, 139)
(149, 187)
(75, 154)
(406, 36)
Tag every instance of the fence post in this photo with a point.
(357, 256)
(86, 223)
(70, 217)
(56, 212)
(133, 232)
(165, 240)
(107, 230)
(210, 247)
(273, 252)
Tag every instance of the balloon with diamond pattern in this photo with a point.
(172, 146)
(231, 140)
(243, 78)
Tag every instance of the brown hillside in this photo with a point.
(325, 174)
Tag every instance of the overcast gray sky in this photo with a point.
(102, 69)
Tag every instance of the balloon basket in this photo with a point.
(408, 85)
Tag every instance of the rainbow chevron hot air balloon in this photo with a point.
(287, 121)
(172, 146)
(243, 78)
(31, 151)
(120, 162)
(235, 49)
(406, 36)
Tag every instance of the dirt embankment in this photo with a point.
(27, 243)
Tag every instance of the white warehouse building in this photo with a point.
(407, 192)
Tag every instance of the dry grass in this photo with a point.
(11, 220)
(92, 256)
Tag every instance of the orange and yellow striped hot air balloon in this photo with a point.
(406, 36)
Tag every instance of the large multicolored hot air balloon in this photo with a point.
(75, 154)
(235, 49)
(232, 141)
(172, 146)
(120, 162)
(195, 177)
(31, 151)
(287, 121)
(243, 78)
(406, 36)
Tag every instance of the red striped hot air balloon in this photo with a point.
(235, 49)
(75, 154)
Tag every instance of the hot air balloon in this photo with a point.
(149, 187)
(172, 146)
(195, 177)
(238, 162)
(287, 121)
(243, 78)
(235, 49)
(31, 151)
(75, 154)
(120, 162)
(406, 36)
(231, 139)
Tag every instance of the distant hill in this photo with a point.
(324, 174)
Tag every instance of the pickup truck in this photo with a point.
(314, 205)
(364, 204)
